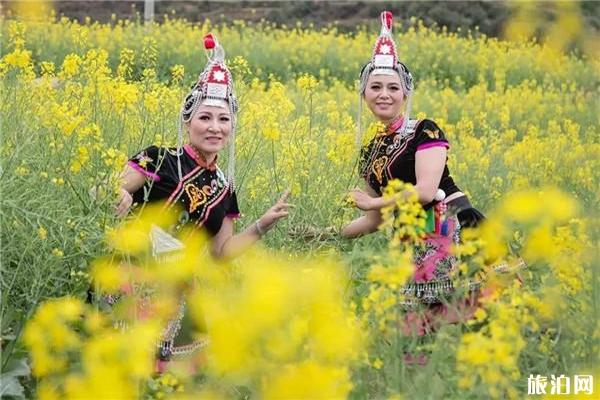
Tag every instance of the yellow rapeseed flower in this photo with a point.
(57, 252)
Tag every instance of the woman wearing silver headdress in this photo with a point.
(413, 151)
(187, 177)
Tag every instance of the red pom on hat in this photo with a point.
(209, 41)
(386, 19)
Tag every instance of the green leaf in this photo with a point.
(17, 368)
(10, 386)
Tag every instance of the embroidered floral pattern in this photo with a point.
(378, 167)
(433, 265)
(432, 134)
(143, 159)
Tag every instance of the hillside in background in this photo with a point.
(488, 16)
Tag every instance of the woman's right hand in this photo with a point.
(123, 203)
(279, 210)
(363, 200)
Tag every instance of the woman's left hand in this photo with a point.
(279, 210)
(362, 200)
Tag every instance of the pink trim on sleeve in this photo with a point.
(233, 215)
(433, 144)
(141, 170)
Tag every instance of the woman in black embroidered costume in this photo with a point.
(414, 152)
(187, 177)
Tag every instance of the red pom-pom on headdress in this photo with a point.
(209, 41)
(386, 19)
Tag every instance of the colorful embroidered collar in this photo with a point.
(395, 125)
(199, 159)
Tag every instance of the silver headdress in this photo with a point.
(214, 87)
(385, 62)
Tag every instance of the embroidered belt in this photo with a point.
(435, 291)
